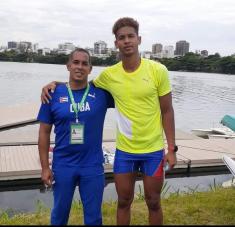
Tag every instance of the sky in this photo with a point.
(205, 24)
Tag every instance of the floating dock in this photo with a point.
(20, 165)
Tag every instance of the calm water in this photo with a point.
(199, 99)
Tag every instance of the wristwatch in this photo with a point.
(175, 149)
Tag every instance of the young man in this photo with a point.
(143, 101)
(77, 110)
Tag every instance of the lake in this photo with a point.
(200, 99)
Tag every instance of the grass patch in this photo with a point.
(214, 207)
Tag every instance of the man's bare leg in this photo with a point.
(125, 185)
(152, 191)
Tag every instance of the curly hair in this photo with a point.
(125, 21)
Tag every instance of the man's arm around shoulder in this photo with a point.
(45, 94)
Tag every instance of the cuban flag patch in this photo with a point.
(64, 99)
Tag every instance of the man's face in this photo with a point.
(127, 41)
(79, 67)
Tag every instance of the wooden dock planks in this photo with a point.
(206, 151)
(20, 162)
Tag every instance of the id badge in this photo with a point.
(76, 133)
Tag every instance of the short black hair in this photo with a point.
(79, 50)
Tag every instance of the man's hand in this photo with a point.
(47, 176)
(170, 157)
(45, 95)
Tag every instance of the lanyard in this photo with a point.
(73, 102)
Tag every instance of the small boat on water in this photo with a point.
(222, 133)
(216, 136)
(225, 131)
(202, 132)
(211, 133)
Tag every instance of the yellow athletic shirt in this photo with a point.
(136, 96)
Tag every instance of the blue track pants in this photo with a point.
(90, 181)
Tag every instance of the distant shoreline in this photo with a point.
(167, 62)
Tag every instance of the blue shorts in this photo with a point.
(150, 164)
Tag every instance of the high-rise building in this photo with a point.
(25, 46)
(156, 48)
(35, 47)
(12, 45)
(100, 47)
(168, 52)
(65, 48)
(181, 48)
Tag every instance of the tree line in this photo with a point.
(192, 62)
(189, 62)
(52, 58)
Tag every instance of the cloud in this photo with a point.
(205, 24)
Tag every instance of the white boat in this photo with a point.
(216, 136)
(225, 130)
(202, 132)
(222, 132)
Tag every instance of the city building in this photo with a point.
(168, 52)
(24, 46)
(35, 47)
(146, 54)
(100, 48)
(204, 53)
(12, 45)
(65, 48)
(156, 48)
(181, 48)
(44, 51)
